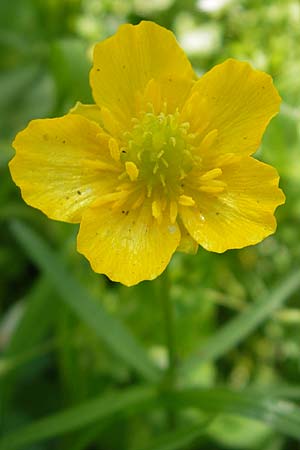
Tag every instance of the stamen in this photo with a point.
(114, 149)
(211, 174)
(185, 200)
(173, 211)
(132, 170)
(149, 190)
(173, 141)
(156, 210)
(163, 179)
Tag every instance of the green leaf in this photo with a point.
(98, 409)
(178, 439)
(116, 336)
(245, 323)
(280, 414)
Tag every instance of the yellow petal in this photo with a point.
(91, 112)
(127, 61)
(165, 94)
(241, 215)
(235, 100)
(62, 165)
(127, 246)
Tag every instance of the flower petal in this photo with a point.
(91, 112)
(240, 216)
(127, 61)
(62, 165)
(127, 246)
(235, 100)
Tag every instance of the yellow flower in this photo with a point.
(160, 163)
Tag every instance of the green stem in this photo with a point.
(168, 319)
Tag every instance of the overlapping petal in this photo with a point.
(91, 112)
(235, 100)
(62, 165)
(128, 246)
(243, 214)
(126, 62)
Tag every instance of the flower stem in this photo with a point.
(168, 319)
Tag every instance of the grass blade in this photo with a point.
(178, 439)
(281, 415)
(109, 329)
(241, 326)
(98, 409)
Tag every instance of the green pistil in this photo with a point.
(158, 146)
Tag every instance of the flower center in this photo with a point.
(157, 149)
(155, 157)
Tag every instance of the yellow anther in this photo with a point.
(114, 149)
(132, 170)
(156, 210)
(173, 211)
(185, 200)
(162, 179)
(173, 141)
(211, 174)
(166, 164)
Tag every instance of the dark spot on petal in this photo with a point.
(46, 137)
(63, 141)
(217, 213)
(98, 70)
(124, 151)
(67, 198)
(79, 192)
(123, 66)
(245, 137)
(126, 213)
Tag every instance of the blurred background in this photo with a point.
(50, 358)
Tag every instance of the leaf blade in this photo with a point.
(77, 417)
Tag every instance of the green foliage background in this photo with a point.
(83, 361)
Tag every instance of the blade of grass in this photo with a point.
(178, 439)
(241, 326)
(98, 409)
(116, 336)
(34, 323)
(280, 414)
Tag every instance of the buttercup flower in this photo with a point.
(161, 162)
